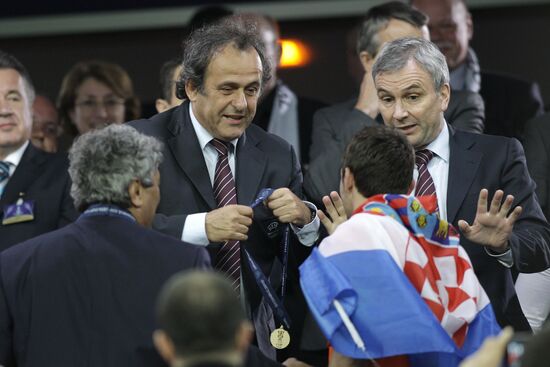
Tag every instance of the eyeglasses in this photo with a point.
(93, 105)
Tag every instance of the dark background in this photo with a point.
(49, 7)
(513, 39)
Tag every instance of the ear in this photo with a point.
(244, 336)
(348, 180)
(469, 25)
(445, 94)
(425, 32)
(164, 346)
(161, 105)
(191, 91)
(135, 191)
(279, 51)
(366, 60)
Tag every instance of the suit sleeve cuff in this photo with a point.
(505, 258)
(194, 229)
(309, 233)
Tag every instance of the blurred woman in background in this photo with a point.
(94, 94)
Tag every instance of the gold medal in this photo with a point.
(280, 338)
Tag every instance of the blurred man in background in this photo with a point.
(45, 124)
(169, 75)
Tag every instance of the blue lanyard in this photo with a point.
(275, 303)
(107, 210)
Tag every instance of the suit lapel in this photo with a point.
(186, 149)
(25, 174)
(463, 165)
(250, 166)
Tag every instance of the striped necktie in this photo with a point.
(4, 171)
(424, 184)
(225, 193)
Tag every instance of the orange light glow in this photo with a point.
(295, 54)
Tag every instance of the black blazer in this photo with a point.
(537, 152)
(43, 178)
(509, 103)
(85, 295)
(262, 160)
(493, 162)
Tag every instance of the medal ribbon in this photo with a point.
(275, 303)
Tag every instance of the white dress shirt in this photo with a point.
(13, 159)
(534, 297)
(194, 229)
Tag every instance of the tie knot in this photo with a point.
(423, 156)
(221, 146)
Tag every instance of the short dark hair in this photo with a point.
(166, 77)
(378, 17)
(200, 312)
(204, 43)
(381, 160)
(8, 61)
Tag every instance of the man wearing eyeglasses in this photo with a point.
(34, 185)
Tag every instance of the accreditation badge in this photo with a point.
(21, 211)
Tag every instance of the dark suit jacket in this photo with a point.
(493, 162)
(509, 103)
(43, 178)
(262, 160)
(335, 126)
(254, 358)
(537, 152)
(84, 295)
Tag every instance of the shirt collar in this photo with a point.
(457, 77)
(202, 134)
(440, 146)
(15, 157)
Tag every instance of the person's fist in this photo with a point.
(288, 208)
(229, 223)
